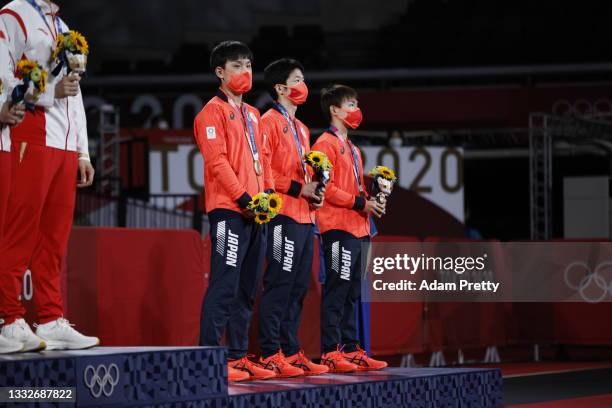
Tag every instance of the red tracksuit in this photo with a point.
(5, 180)
(44, 162)
(6, 76)
(38, 223)
(229, 179)
(286, 164)
(343, 200)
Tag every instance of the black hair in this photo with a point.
(334, 96)
(277, 72)
(228, 51)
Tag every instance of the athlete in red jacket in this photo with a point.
(228, 132)
(291, 233)
(345, 228)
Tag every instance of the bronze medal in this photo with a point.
(258, 167)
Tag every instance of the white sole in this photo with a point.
(11, 351)
(39, 347)
(63, 345)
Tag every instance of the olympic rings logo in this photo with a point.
(582, 108)
(592, 286)
(101, 380)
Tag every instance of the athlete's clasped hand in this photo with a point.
(374, 207)
(68, 86)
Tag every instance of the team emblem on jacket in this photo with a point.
(211, 133)
(285, 129)
(232, 116)
(342, 150)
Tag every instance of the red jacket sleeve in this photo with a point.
(333, 194)
(210, 134)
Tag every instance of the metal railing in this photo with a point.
(177, 211)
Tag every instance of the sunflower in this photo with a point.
(259, 203)
(262, 218)
(42, 84)
(73, 41)
(384, 172)
(34, 72)
(59, 46)
(275, 203)
(78, 42)
(318, 160)
(24, 67)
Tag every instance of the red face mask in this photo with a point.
(240, 83)
(353, 118)
(298, 93)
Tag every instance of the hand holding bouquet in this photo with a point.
(265, 206)
(382, 185)
(34, 83)
(71, 50)
(321, 166)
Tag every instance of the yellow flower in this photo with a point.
(384, 172)
(42, 84)
(275, 203)
(34, 72)
(78, 42)
(259, 203)
(262, 218)
(318, 160)
(24, 67)
(74, 42)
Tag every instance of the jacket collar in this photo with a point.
(47, 8)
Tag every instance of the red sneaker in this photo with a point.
(300, 360)
(234, 375)
(277, 364)
(363, 362)
(337, 363)
(255, 371)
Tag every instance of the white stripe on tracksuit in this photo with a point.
(7, 78)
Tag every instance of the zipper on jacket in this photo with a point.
(68, 118)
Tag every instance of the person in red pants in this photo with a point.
(49, 148)
(10, 115)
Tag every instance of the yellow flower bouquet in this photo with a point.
(71, 50)
(33, 83)
(321, 165)
(382, 184)
(265, 206)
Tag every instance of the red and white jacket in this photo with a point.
(6, 78)
(57, 123)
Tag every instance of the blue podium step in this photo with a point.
(390, 388)
(123, 377)
(196, 377)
